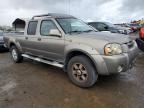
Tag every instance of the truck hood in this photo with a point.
(96, 40)
(109, 37)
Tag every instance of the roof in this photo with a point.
(53, 15)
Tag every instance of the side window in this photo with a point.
(94, 25)
(32, 28)
(101, 27)
(46, 26)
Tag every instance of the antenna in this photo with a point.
(69, 7)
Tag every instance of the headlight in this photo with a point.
(113, 49)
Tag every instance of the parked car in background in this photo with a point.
(2, 47)
(141, 33)
(134, 27)
(106, 26)
(140, 40)
(69, 43)
(127, 30)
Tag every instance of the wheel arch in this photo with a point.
(17, 45)
(74, 53)
(11, 44)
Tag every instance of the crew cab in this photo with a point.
(69, 43)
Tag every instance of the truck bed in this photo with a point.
(8, 36)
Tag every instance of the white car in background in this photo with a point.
(126, 30)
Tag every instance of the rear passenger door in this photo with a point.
(52, 47)
(29, 43)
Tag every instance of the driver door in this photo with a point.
(50, 46)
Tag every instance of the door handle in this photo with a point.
(26, 38)
(39, 39)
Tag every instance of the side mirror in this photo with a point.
(55, 32)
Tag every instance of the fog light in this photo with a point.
(120, 69)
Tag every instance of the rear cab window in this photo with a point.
(32, 27)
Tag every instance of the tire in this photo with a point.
(16, 55)
(82, 72)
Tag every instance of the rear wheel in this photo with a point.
(82, 72)
(16, 55)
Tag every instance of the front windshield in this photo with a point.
(72, 25)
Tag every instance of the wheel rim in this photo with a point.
(79, 72)
(14, 54)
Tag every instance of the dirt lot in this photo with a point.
(36, 85)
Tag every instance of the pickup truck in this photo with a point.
(69, 43)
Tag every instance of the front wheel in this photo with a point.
(16, 55)
(82, 72)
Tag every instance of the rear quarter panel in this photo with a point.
(12, 39)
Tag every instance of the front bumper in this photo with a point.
(106, 65)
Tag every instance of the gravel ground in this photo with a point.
(37, 85)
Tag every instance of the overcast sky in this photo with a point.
(114, 11)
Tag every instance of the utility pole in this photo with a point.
(69, 7)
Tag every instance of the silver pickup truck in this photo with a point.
(69, 43)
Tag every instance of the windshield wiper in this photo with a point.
(76, 31)
(88, 31)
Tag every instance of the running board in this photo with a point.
(44, 61)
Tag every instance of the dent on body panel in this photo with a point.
(19, 46)
(11, 40)
(15, 42)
